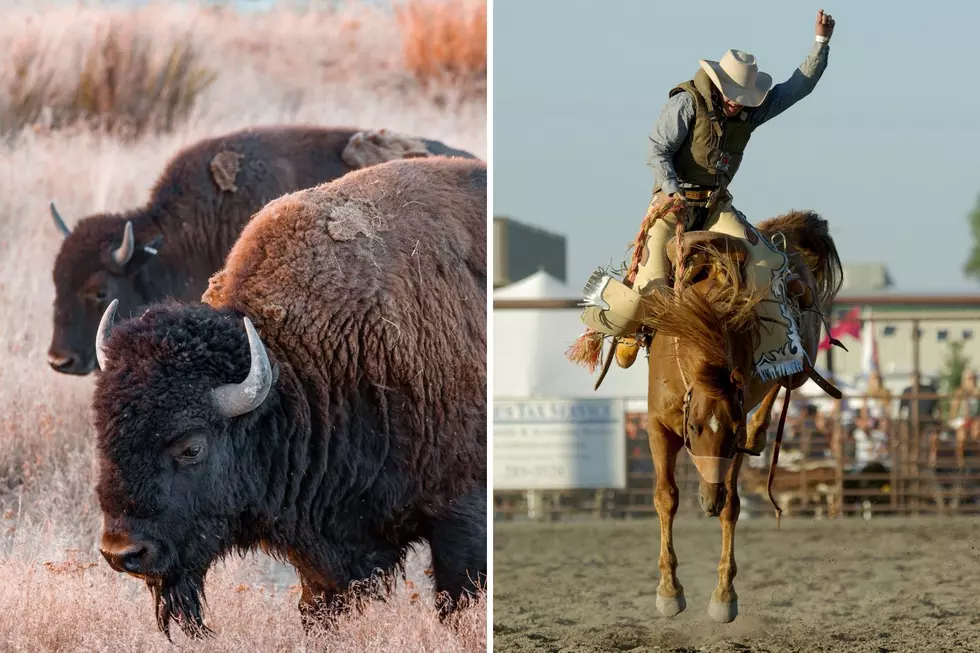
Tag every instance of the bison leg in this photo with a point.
(459, 551)
(723, 606)
(755, 440)
(368, 579)
(664, 446)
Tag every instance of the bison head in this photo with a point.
(99, 262)
(181, 389)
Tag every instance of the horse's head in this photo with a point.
(714, 428)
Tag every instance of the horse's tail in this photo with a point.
(809, 234)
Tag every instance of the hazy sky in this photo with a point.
(887, 147)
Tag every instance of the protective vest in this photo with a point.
(712, 150)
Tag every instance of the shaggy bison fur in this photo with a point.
(352, 428)
(196, 211)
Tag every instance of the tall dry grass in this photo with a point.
(91, 126)
(132, 71)
(445, 43)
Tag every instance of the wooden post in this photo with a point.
(838, 435)
(915, 431)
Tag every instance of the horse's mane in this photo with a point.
(809, 236)
(713, 317)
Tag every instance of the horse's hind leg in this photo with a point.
(723, 607)
(755, 440)
(664, 446)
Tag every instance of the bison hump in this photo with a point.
(371, 147)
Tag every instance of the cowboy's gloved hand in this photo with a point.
(677, 197)
(825, 24)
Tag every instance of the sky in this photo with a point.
(886, 148)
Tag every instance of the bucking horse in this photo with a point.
(701, 380)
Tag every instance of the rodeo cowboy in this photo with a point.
(696, 148)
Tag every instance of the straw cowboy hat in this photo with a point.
(737, 76)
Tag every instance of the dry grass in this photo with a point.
(131, 71)
(123, 83)
(445, 42)
(328, 67)
(77, 604)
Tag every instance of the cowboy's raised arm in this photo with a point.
(666, 138)
(804, 78)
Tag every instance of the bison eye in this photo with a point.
(102, 294)
(191, 453)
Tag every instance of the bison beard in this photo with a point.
(181, 599)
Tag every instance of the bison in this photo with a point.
(196, 210)
(325, 402)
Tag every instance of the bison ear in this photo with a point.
(275, 373)
(143, 255)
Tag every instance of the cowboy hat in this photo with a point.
(738, 77)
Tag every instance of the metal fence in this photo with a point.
(921, 463)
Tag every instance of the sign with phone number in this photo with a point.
(559, 444)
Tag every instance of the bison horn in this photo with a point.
(125, 251)
(105, 326)
(58, 222)
(236, 399)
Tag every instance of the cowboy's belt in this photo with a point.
(692, 194)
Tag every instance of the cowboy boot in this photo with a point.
(612, 307)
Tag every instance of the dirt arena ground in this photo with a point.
(888, 584)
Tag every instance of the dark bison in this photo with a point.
(347, 424)
(196, 210)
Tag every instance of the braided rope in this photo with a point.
(587, 349)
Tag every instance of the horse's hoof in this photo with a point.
(670, 606)
(723, 613)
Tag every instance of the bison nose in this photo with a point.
(68, 363)
(135, 557)
(60, 362)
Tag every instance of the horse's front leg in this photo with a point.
(664, 445)
(723, 607)
(755, 439)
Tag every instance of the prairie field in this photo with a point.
(94, 99)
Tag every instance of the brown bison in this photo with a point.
(347, 424)
(197, 209)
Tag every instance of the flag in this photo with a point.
(849, 325)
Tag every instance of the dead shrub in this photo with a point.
(445, 42)
(124, 83)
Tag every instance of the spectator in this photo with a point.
(877, 402)
(927, 406)
(871, 456)
(870, 447)
(964, 407)
(821, 437)
(930, 420)
(963, 419)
